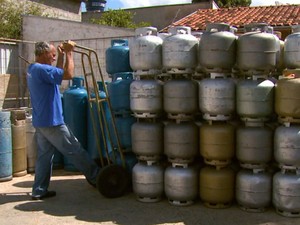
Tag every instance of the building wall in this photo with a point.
(158, 16)
(96, 38)
(12, 78)
(37, 28)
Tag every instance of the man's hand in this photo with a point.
(60, 49)
(68, 46)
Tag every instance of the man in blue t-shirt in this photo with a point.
(43, 81)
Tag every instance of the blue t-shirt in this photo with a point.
(43, 82)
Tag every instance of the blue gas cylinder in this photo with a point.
(117, 57)
(92, 143)
(123, 125)
(130, 159)
(119, 92)
(6, 168)
(75, 113)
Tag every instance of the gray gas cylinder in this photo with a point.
(180, 98)
(217, 48)
(286, 193)
(217, 97)
(292, 49)
(146, 52)
(256, 49)
(181, 141)
(217, 143)
(253, 190)
(181, 184)
(148, 181)
(147, 140)
(146, 98)
(287, 146)
(280, 65)
(179, 51)
(254, 146)
(255, 98)
(31, 146)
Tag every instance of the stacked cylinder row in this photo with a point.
(17, 145)
(206, 104)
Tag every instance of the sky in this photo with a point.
(123, 4)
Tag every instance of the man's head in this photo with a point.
(45, 53)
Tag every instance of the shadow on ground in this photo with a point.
(76, 198)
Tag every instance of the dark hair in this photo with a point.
(41, 47)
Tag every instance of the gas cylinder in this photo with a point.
(217, 97)
(123, 125)
(287, 103)
(292, 49)
(31, 147)
(97, 135)
(181, 141)
(119, 92)
(254, 146)
(217, 48)
(287, 146)
(146, 98)
(286, 193)
(75, 113)
(217, 143)
(181, 184)
(280, 65)
(5, 146)
(253, 190)
(217, 186)
(117, 57)
(18, 129)
(255, 98)
(146, 52)
(179, 51)
(180, 98)
(148, 181)
(256, 49)
(147, 140)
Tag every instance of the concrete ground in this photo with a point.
(79, 203)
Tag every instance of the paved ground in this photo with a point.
(79, 203)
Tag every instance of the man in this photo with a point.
(43, 81)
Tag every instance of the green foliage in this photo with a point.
(118, 18)
(11, 17)
(229, 3)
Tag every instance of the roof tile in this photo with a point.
(281, 15)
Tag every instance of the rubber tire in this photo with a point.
(113, 181)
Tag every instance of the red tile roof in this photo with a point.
(281, 15)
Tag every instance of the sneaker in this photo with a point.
(48, 194)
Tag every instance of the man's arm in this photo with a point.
(60, 57)
(69, 64)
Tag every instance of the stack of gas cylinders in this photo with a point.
(120, 72)
(147, 106)
(217, 89)
(217, 117)
(255, 108)
(286, 182)
(17, 147)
